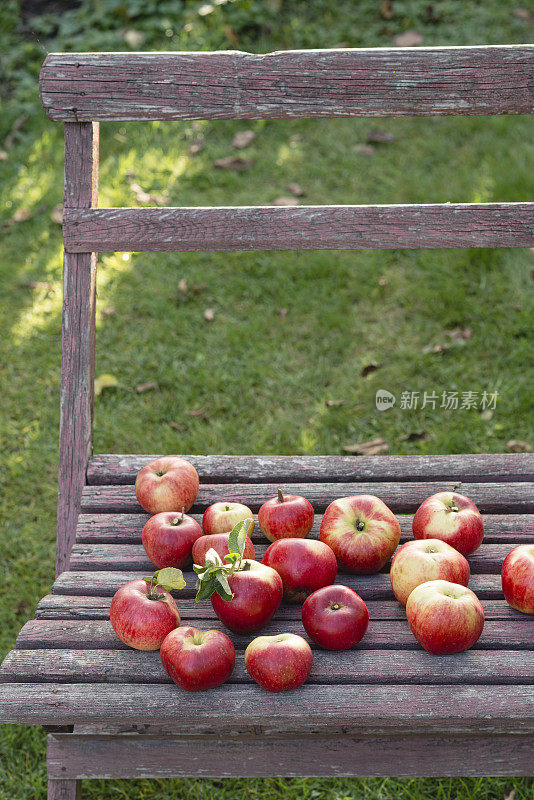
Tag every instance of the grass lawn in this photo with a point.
(283, 366)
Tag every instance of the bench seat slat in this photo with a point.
(471, 467)
(496, 709)
(384, 634)
(78, 87)
(400, 497)
(345, 667)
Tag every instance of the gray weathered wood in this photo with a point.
(127, 528)
(390, 635)
(335, 756)
(78, 340)
(302, 228)
(467, 467)
(63, 789)
(345, 667)
(362, 708)
(317, 83)
(401, 497)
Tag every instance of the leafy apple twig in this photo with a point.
(213, 577)
(168, 578)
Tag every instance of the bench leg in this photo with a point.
(64, 790)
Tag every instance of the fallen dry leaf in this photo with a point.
(37, 285)
(209, 314)
(517, 446)
(146, 387)
(177, 427)
(21, 215)
(3, 155)
(369, 368)
(521, 13)
(295, 188)
(195, 148)
(141, 195)
(243, 139)
(232, 162)
(380, 137)
(460, 334)
(374, 447)
(198, 412)
(108, 311)
(416, 436)
(57, 215)
(199, 287)
(182, 285)
(408, 39)
(386, 9)
(486, 415)
(286, 201)
(364, 149)
(436, 348)
(283, 313)
(334, 403)
(134, 39)
(383, 281)
(231, 36)
(510, 795)
(105, 381)
(295, 137)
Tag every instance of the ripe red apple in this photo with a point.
(168, 538)
(219, 543)
(142, 617)
(286, 517)
(303, 564)
(335, 617)
(167, 484)
(518, 578)
(362, 532)
(278, 663)
(221, 517)
(444, 617)
(198, 660)
(417, 562)
(257, 591)
(451, 517)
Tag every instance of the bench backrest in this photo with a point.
(82, 89)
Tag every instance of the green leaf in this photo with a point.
(170, 578)
(205, 589)
(232, 557)
(222, 587)
(213, 558)
(238, 537)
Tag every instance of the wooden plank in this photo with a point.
(370, 587)
(513, 529)
(361, 666)
(57, 606)
(363, 708)
(487, 559)
(170, 756)
(315, 83)
(300, 228)
(405, 497)
(78, 340)
(390, 635)
(61, 789)
(468, 467)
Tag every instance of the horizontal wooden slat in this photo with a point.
(38, 634)
(301, 228)
(400, 497)
(57, 606)
(370, 587)
(361, 708)
(469, 467)
(345, 667)
(127, 528)
(77, 87)
(170, 756)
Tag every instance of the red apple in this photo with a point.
(167, 484)
(142, 617)
(335, 617)
(168, 539)
(417, 562)
(198, 660)
(278, 663)
(286, 516)
(221, 517)
(518, 578)
(451, 517)
(219, 542)
(444, 617)
(303, 564)
(362, 532)
(257, 593)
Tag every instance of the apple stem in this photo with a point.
(360, 526)
(280, 496)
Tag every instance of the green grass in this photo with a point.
(263, 378)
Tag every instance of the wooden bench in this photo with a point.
(385, 708)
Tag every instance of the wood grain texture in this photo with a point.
(161, 757)
(370, 587)
(363, 708)
(78, 340)
(345, 667)
(471, 467)
(389, 635)
(401, 497)
(314, 83)
(300, 228)
(513, 529)
(62, 789)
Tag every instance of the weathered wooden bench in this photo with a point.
(386, 708)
